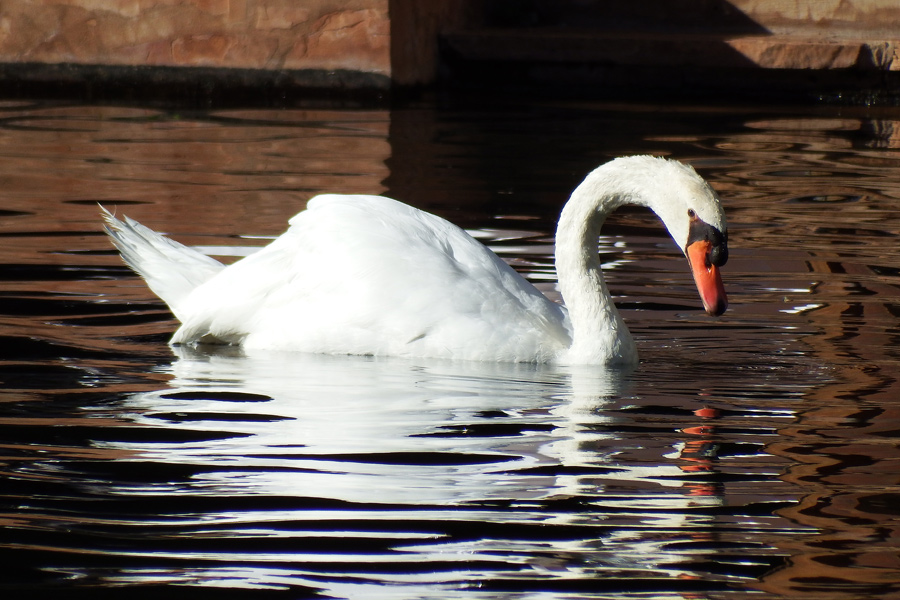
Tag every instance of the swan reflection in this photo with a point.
(346, 446)
(390, 431)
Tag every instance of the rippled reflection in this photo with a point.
(752, 454)
(504, 472)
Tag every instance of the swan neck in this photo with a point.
(598, 332)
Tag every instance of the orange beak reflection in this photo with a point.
(707, 278)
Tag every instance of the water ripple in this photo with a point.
(752, 454)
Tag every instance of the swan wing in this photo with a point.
(370, 275)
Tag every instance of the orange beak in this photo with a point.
(707, 278)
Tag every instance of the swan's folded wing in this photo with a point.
(231, 305)
(368, 275)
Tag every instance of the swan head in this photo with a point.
(693, 214)
(685, 203)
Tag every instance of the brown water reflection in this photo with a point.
(843, 219)
(756, 453)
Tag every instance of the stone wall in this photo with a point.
(257, 34)
(380, 42)
(864, 19)
(395, 39)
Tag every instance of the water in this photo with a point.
(754, 455)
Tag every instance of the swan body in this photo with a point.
(369, 275)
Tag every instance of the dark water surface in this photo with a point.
(753, 455)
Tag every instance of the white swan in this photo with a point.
(370, 275)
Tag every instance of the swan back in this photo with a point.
(370, 275)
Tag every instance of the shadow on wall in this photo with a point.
(695, 48)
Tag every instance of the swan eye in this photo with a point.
(691, 213)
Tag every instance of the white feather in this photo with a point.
(171, 270)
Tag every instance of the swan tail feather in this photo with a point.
(171, 270)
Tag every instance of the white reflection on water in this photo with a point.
(377, 430)
(407, 445)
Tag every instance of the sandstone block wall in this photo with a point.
(257, 34)
(396, 41)
(866, 19)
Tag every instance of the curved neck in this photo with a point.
(599, 334)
